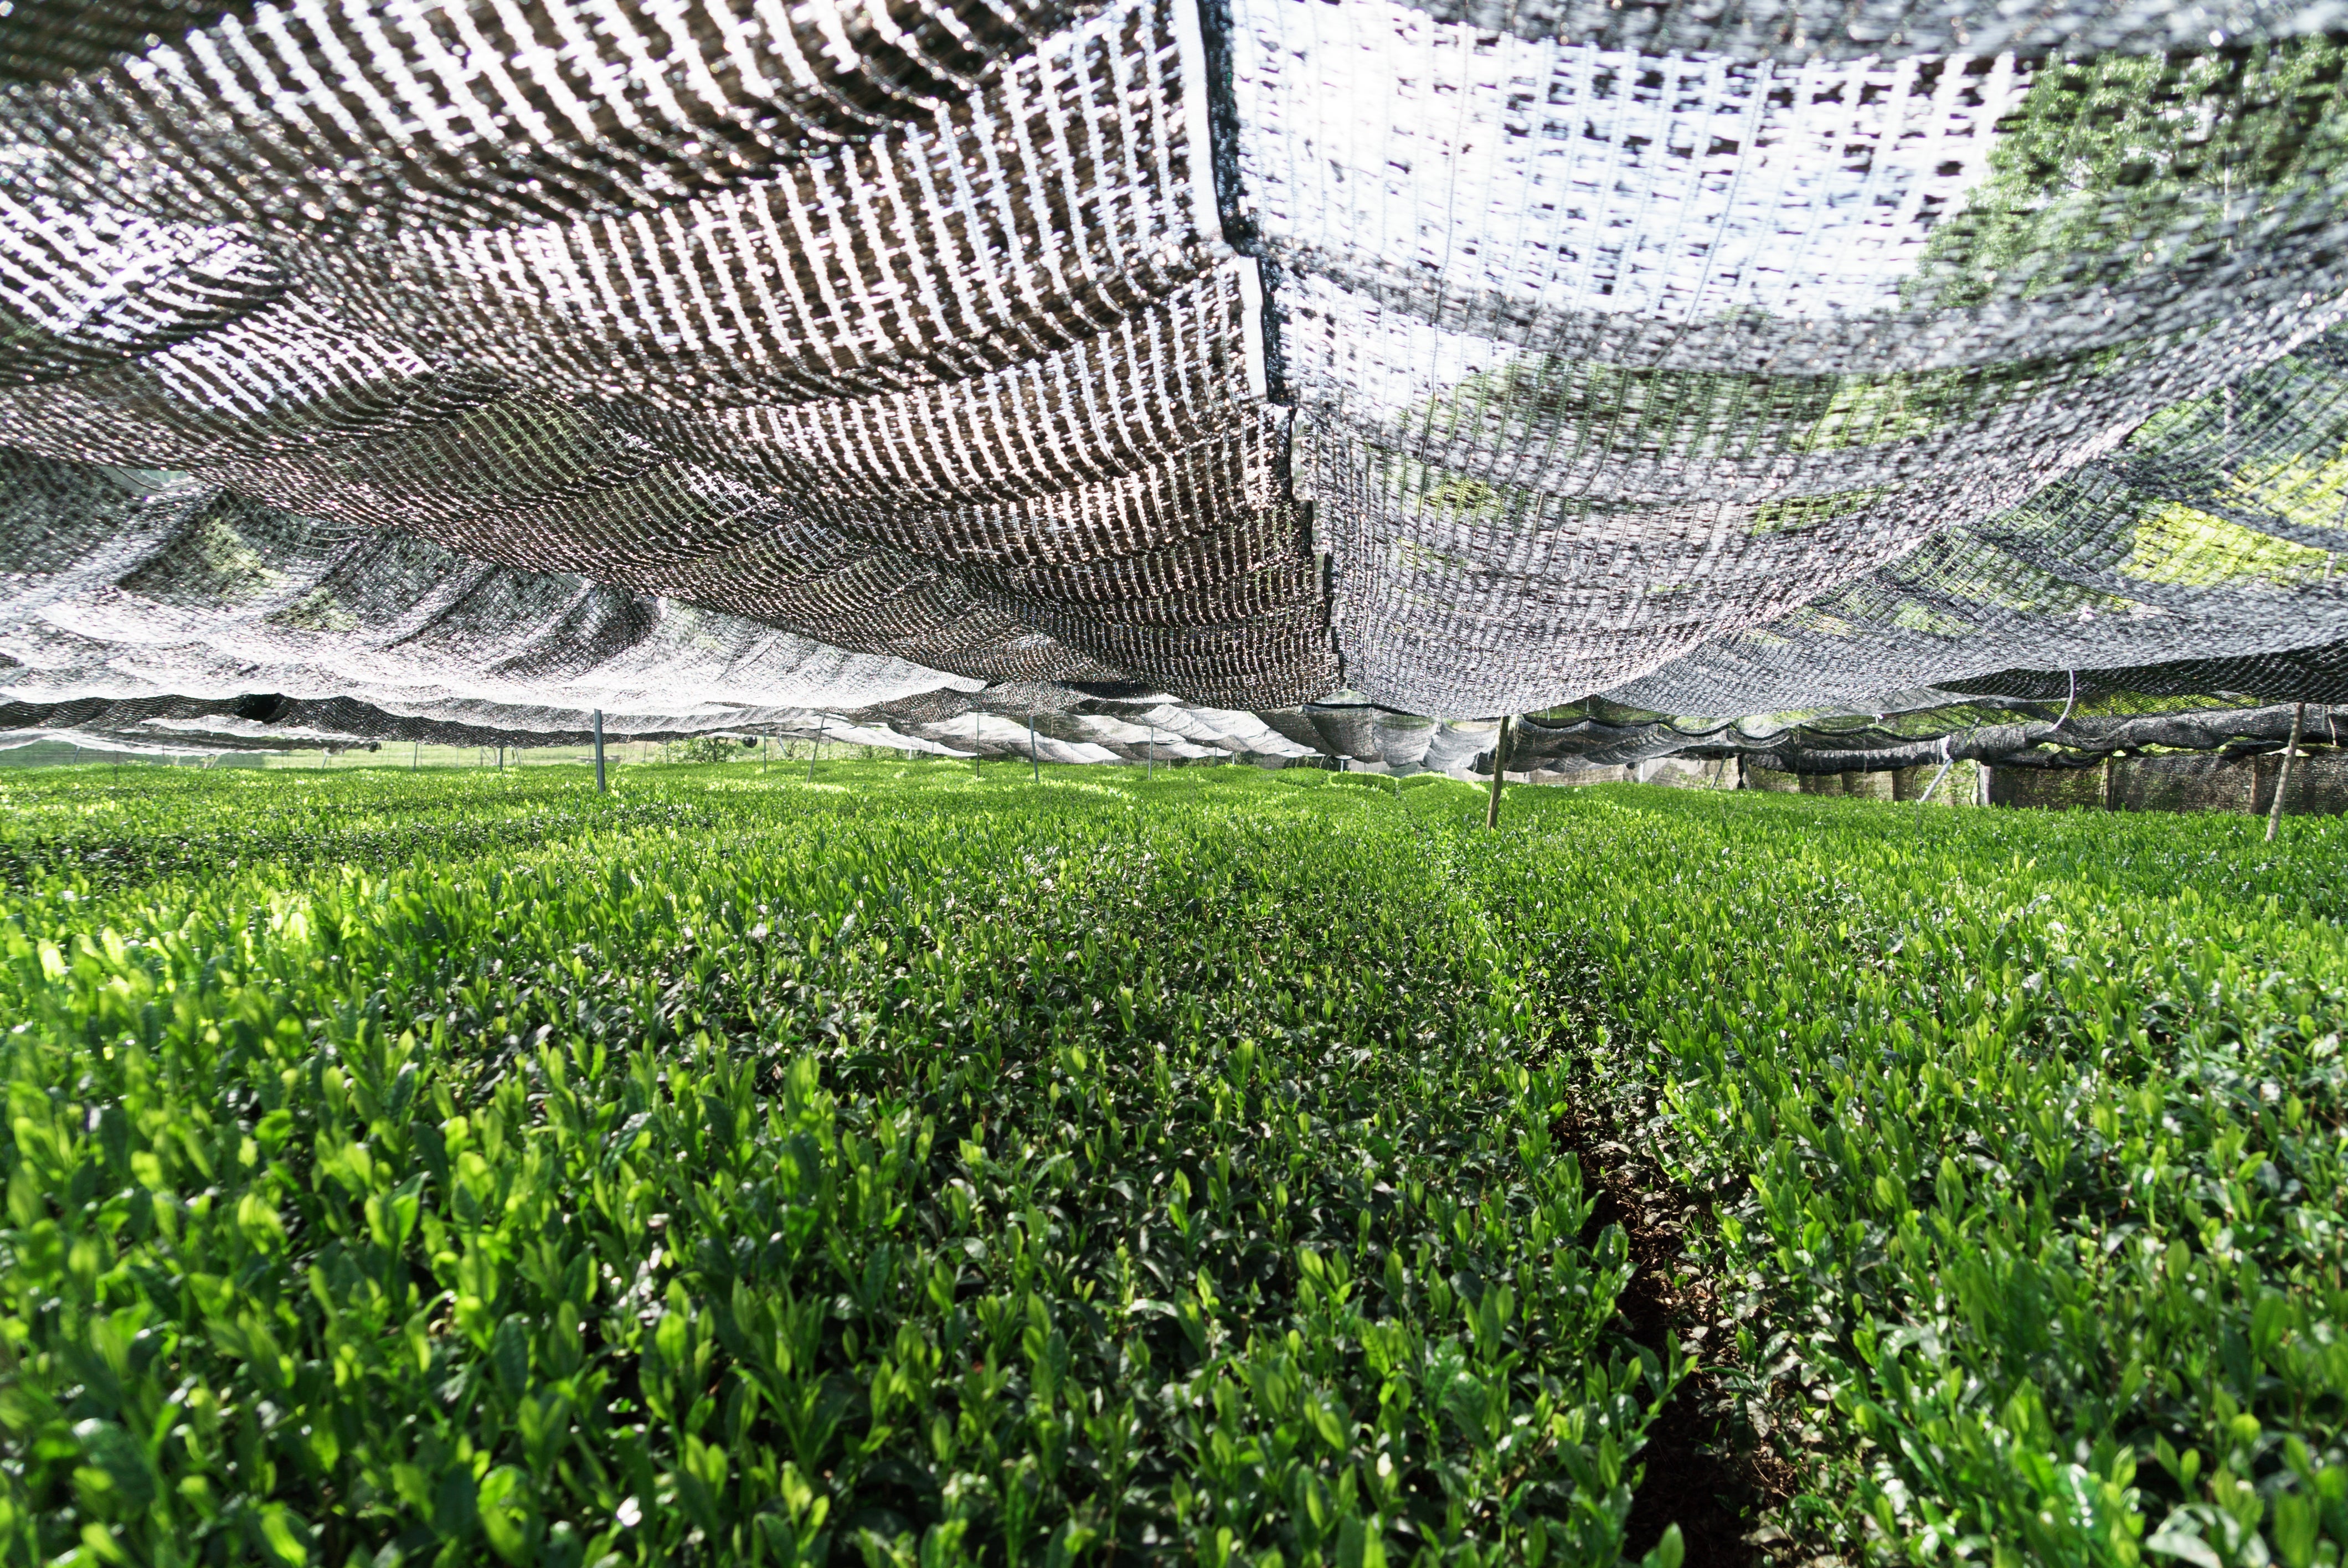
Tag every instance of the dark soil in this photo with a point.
(1703, 1472)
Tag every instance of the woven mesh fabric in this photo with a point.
(2058, 735)
(1605, 356)
(115, 584)
(1800, 30)
(1437, 360)
(904, 335)
(2210, 535)
(270, 721)
(163, 614)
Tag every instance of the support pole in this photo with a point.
(815, 748)
(973, 742)
(2282, 779)
(600, 785)
(1035, 767)
(1499, 766)
(1925, 798)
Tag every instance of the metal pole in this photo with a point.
(1499, 766)
(973, 742)
(2282, 779)
(600, 785)
(1149, 752)
(813, 749)
(1035, 766)
(1947, 761)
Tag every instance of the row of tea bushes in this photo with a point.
(2025, 1137)
(908, 1173)
(97, 830)
(949, 1172)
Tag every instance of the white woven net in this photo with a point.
(1160, 366)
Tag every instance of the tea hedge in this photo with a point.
(2025, 1135)
(754, 1174)
(914, 1170)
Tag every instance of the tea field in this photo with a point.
(1244, 1169)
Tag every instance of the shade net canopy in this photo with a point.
(1182, 377)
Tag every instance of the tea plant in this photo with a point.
(2026, 1132)
(917, 1174)
(915, 1169)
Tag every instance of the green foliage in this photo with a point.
(917, 1169)
(938, 1173)
(2024, 1132)
(707, 748)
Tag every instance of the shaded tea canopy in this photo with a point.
(1266, 359)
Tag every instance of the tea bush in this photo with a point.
(2025, 1132)
(921, 1172)
(915, 1169)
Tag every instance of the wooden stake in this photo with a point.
(2282, 779)
(1499, 766)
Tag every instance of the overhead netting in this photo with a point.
(1266, 377)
